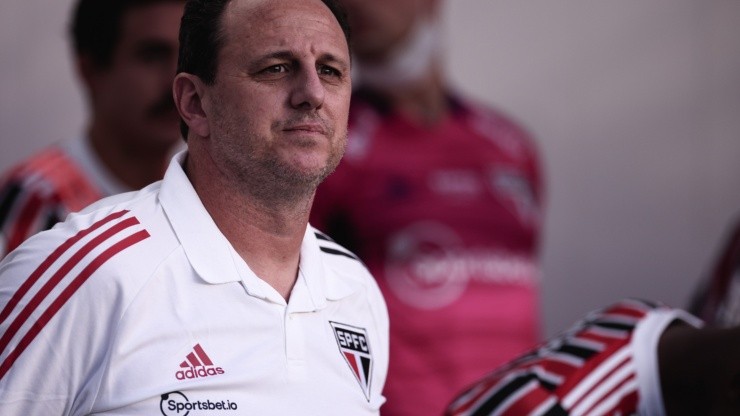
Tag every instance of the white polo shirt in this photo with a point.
(140, 306)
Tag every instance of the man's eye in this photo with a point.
(329, 71)
(275, 69)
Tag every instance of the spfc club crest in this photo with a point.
(355, 348)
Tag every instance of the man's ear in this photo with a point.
(188, 90)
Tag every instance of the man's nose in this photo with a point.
(308, 91)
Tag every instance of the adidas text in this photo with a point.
(193, 372)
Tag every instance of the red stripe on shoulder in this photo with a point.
(58, 276)
(595, 384)
(593, 363)
(40, 163)
(53, 172)
(67, 294)
(626, 401)
(54, 256)
(487, 386)
(527, 401)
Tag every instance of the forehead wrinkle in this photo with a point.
(243, 17)
(281, 27)
(289, 38)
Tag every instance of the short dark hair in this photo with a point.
(201, 38)
(96, 26)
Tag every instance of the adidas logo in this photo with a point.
(197, 364)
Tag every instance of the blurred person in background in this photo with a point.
(442, 199)
(125, 54)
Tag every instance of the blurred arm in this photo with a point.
(700, 370)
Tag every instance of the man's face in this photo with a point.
(279, 105)
(132, 96)
(380, 26)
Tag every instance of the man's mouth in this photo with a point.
(307, 128)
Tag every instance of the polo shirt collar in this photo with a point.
(214, 259)
(207, 249)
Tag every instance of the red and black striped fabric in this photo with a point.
(588, 370)
(40, 192)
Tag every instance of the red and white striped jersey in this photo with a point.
(604, 365)
(41, 191)
(139, 305)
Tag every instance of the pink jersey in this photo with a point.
(447, 219)
(604, 365)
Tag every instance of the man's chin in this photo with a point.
(317, 170)
(306, 177)
(303, 175)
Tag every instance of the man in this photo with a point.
(207, 293)
(125, 53)
(441, 198)
(630, 358)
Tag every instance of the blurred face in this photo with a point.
(379, 26)
(279, 105)
(132, 96)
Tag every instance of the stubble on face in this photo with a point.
(258, 167)
(266, 143)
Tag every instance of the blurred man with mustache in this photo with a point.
(125, 56)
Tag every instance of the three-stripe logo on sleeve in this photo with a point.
(58, 277)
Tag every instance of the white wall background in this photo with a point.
(40, 101)
(635, 104)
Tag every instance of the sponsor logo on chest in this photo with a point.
(176, 403)
(197, 364)
(456, 183)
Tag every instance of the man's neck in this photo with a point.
(134, 166)
(269, 242)
(266, 234)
